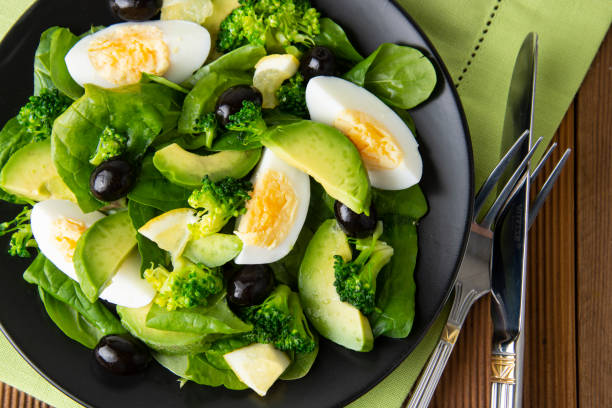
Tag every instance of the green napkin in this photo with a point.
(478, 40)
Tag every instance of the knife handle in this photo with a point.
(505, 373)
(430, 376)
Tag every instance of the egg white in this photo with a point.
(188, 43)
(127, 288)
(253, 254)
(328, 97)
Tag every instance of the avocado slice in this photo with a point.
(188, 169)
(30, 173)
(334, 319)
(328, 156)
(173, 342)
(100, 251)
(213, 250)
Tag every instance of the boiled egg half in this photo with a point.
(387, 146)
(57, 225)
(276, 212)
(119, 54)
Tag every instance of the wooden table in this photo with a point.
(568, 362)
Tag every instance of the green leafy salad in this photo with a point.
(219, 189)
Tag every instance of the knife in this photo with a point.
(509, 255)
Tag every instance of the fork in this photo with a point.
(473, 279)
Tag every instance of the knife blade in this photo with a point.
(509, 256)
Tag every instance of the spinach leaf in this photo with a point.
(333, 37)
(146, 77)
(286, 269)
(62, 40)
(399, 75)
(201, 371)
(141, 112)
(215, 353)
(395, 288)
(399, 211)
(57, 284)
(240, 59)
(214, 319)
(197, 368)
(71, 322)
(233, 141)
(42, 62)
(301, 363)
(234, 68)
(150, 253)
(407, 203)
(154, 190)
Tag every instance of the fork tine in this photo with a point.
(508, 188)
(540, 166)
(497, 172)
(538, 202)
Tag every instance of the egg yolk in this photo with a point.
(122, 55)
(67, 233)
(270, 212)
(376, 145)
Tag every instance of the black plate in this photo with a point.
(339, 375)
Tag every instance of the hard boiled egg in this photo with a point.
(118, 54)
(275, 213)
(57, 225)
(387, 146)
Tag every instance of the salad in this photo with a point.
(218, 189)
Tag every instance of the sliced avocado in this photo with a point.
(213, 250)
(134, 320)
(334, 319)
(328, 156)
(188, 169)
(100, 251)
(30, 173)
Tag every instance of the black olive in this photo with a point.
(231, 100)
(122, 354)
(318, 61)
(133, 10)
(112, 180)
(250, 285)
(355, 225)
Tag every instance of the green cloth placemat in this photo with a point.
(478, 40)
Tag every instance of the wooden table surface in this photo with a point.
(568, 362)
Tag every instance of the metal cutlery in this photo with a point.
(473, 279)
(509, 255)
(476, 284)
(503, 252)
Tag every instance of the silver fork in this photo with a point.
(473, 279)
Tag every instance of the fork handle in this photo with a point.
(430, 376)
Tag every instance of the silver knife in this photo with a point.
(509, 256)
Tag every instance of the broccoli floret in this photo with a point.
(248, 121)
(218, 202)
(205, 131)
(280, 320)
(188, 285)
(111, 144)
(21, 238)
(356, 280)
(37, 116)
(277, 24)
(292, 96)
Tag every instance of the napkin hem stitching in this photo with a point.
(480, 40)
